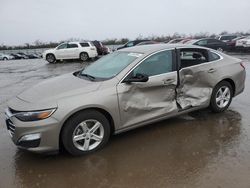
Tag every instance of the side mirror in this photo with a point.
(137, 78)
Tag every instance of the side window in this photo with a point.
(62, 46)
(213, 41)
(201, 42)
(130, 44)
(72, 46)
(191, 57)
(159, 63)
(213, 56)
(84, 44)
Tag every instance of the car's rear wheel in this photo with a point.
(221, 97)
(51, 58)
(85, 132)
(5, 58)
(84, 56)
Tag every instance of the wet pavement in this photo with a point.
(200, 149)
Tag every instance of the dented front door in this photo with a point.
(143, 101)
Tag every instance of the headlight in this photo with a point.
(35, 115)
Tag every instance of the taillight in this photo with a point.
(242, 65)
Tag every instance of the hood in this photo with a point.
(57, 88)
(50, 50)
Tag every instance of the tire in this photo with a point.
(84, 56)
(5, 58)
(81, 134)
(51, 58)
(221, 97)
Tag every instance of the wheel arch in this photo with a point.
(50, 53)
(231, 82)
(102, 111)
(83, 52)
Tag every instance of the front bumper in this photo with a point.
(36, 136)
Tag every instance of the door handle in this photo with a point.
(211, 70)
(168, 81)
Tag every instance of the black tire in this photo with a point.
(5, 58)
(51, 58)
(84, 56)
(214, 106)
(71, 125)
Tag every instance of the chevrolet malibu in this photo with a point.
(127, 89)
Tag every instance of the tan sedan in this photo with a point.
(124, 90)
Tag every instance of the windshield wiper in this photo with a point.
(88, 76)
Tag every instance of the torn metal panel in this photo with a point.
(144, 101)
(195, 86)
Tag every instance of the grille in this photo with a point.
(10, 126)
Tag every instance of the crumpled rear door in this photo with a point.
(195, 83)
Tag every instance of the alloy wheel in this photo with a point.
(50, 58)
(88, 135)
(223, 97)
(84, 56)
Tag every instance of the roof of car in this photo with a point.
(146, 49)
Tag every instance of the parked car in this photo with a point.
(243, 44)
(210, 43)
(5, 57)
(174, 41)
(131, 44)
(71, 50)
(227, 38)
(232, 44)
(28, 56)
(25, 56)
(18, 56)
(184, 41)
(147, 42)
(121, 91)
(33, 56)
(101, 49)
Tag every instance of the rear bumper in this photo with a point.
(92, 54)
(240, 82)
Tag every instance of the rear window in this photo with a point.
(84, 44)
(213, 56)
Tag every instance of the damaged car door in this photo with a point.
(196, 78)
(141, 99)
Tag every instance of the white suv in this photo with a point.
(71, 50)
(5, 57)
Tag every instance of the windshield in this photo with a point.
(110, 65)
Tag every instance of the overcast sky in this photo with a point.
(24, 21)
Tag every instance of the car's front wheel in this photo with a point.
(5, 58)
(85, 132)
(84, 56)
(51, 58)
(221, 97)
